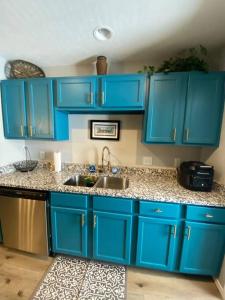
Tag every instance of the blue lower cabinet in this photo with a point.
(112, 237)
(156, 243)
(69, 231)
(203, 248)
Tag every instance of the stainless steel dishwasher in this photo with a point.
(23, 218)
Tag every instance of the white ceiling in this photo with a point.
(60, 32)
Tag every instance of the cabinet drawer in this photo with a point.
(113, 204)
(68, 200)
(156, 209)
(206, 214)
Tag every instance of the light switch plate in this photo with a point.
(176, 162)
(42, 155)
(147, 160)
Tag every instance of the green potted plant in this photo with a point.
(192, 59)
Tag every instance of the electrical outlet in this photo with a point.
(42, 155)
(176, 162)
(147, 160)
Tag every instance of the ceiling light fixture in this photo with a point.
(102, 33)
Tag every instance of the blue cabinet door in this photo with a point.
(164, 120)
(203, 248)
(14, 108)
(40, 109)
(69, 231)
(123, 92)
(112, 237)
(204, 110)
(76, 92)
(156, 243)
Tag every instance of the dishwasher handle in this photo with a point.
(23, 193)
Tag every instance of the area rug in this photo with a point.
(79, 279)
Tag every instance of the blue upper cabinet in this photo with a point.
(29, 113)
(76, 92)
(185, 108)
(203, 248)
(166, 108)
(123, 92)
(156, 243)
(204, 109)
(40, 109)
(112, 237)
(97, 93)
(14, 109)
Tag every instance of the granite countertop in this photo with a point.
(147, 184)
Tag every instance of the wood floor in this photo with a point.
(154, 285)
(20, 274)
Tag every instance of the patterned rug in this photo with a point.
(75, 278)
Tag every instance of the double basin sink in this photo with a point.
(105, 182)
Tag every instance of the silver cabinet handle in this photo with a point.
(187, 134)
(83, 220)
(174, 232)
(158, 210)
(174, 134)
(31, 130)
(103, 98)
(94, 221)
(189, 232)
(91, 98)
(22, 130)
(208, 216)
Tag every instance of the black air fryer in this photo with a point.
(195, 176)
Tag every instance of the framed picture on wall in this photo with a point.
(104, 130)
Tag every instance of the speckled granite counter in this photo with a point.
(147, 184)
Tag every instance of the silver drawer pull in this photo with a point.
(208, 216)
(158, 210)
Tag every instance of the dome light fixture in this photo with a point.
(103, 33)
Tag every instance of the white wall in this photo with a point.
(10, 151)
(128, 151)
(216, 157)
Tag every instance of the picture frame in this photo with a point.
(105, 130)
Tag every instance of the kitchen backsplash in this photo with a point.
(127, 151)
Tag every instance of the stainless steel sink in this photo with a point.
(115, 183)
(82, 180)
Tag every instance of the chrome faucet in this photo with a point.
(103, 159)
